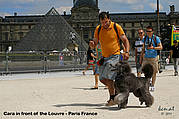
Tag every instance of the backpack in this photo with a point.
(115, 28)
(154, 42)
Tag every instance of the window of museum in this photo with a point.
(132, 24)
(2, 27)
(20, 35)
(124, 31)
(129, 34)
(77, 25)
(124, 25)
(128, 25)
(154, 24)
(6, 27)
(85, 35)
(92, 33)
(30, 26)
(6, 35)
(20, 27)
(137, 25)
(92, 24)
(133, 33)
(150, 24)
(146, 24)
(120, 24)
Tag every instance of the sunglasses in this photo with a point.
(140, 33)
(149, 31)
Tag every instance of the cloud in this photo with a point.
(124, 1)
(154, 6)
(3, 14)
(139, 7)
(24, 1)
(64, 8)
(16, 1)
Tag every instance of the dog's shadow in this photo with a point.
(115, 108)
(85, 88)
(79, 105)
(96, 106)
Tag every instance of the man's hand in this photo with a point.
(151, 47)
(126, 55)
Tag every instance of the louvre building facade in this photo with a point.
(82, 22)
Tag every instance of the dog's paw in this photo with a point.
(141, 103)
(122, 106)
(148, 105)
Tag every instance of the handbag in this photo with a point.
(91, 62)
(100, 61)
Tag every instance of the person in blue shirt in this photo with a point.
(151, 44)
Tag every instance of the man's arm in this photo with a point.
(171, 53)
(92, 55)
(142, 54)
(136, 55)
(126, 45)
(159, 47)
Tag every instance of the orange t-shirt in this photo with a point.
(108, 39)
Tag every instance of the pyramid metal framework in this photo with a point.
(52, 33)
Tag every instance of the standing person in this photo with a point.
(175, 55)
(98, 57)
(107, 36)
(138, 50)
(90, 58)
(151, 44)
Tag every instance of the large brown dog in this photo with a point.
(126, 82)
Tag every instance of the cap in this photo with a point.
(175, 41)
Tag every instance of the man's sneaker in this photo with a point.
(160, 71)
(83, 73)
(110, 103)
(176, 73)
(150, 84)
(152, 88)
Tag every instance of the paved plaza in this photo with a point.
(67, 95)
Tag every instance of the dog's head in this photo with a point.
(148, 70)
(122, 68)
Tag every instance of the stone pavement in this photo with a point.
(67, 95)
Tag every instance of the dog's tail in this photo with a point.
(148, 70)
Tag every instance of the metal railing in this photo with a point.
(14, 62)
(21, 62)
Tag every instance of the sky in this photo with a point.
(38, 7)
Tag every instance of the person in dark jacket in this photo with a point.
(175, 55)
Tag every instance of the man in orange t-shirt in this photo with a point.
(110, 46)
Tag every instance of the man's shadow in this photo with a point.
(95, 106)
(79, 105)
(116, 108)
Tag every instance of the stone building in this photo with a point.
(84, 19)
